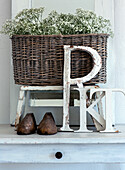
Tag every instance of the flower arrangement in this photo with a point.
(31, 22)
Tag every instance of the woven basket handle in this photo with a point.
(96, 59)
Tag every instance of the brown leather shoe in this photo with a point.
(27, 125)
(47, 126)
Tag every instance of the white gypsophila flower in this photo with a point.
(30, 21)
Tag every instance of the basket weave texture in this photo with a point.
(39, 60)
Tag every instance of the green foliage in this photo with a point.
(30, 21)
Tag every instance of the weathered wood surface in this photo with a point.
(8, 135)
(67, 82)
(20, 106)
(75, 147)
(94, 153)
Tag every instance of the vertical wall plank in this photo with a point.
(105, 8)
(14, 89)
(120, 57)
(5, 13)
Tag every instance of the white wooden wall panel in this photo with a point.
(17, 6)
(105, 8)
(120, 57)
(66, 6)
(5, 13)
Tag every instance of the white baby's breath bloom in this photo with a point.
(30, 21)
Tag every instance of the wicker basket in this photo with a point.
(38, 60)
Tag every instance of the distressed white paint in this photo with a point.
(66, 90)
(96, 60)
(20, 106)
(99, 117)
(67, 82)
(55, 166)
(23, 94)
(33, 88)
(79, 153)
(8, 135)
(75, 147)
(108, 106)
(98, 101)
(46, 102)
(83, 114)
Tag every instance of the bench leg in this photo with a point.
(20, 106)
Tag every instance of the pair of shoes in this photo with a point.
(28, 125)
